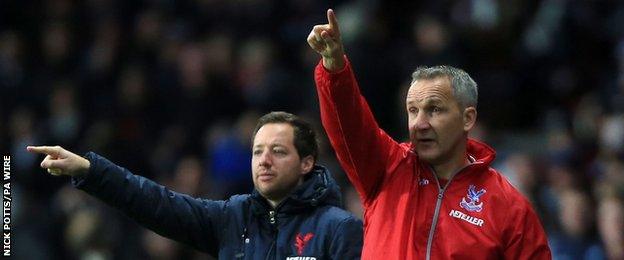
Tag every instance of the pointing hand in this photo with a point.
(59, 161)
(325, 40)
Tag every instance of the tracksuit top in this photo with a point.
(477, 214)
(307, 225)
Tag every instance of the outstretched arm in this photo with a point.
(171, 214)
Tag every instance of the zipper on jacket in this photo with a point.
(272, 221)
(434, 223)
(272, 217)
(436, 213)
(244, 241)
(268, 256)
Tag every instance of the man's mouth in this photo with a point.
(425, 140)
(266, 176)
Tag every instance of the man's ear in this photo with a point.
(307, 163)
(469, 118)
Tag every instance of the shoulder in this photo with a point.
(233, 210)
(400, 153)
(506, 194)
(235, 204)
(405, 148)
(336, 217)
(508, 190)
(337, 225)
(238, 199)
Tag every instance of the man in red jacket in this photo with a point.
(435, 197)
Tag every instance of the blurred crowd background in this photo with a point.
(171, 90)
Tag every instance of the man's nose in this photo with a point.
(421, 122)
(265, 159)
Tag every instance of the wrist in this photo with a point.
(334, 64)
(85, 165)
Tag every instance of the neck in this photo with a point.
(447, 170)
(450, 167)
(274, 203)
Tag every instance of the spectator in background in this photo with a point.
(293, 210)
(230, 153)
(610, 220)
(574, 241)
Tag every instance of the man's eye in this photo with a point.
(437, 109)
(257, 152)
(412, 110)
(279, 151)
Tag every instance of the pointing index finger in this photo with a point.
(49, 150)
(333, 22)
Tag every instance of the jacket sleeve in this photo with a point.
(362, 148)
(525, 237)
(171, 214)
(347, 242)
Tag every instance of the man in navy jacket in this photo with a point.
(293, 212)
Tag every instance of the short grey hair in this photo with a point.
(464, 87)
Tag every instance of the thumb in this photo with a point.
(50, 163)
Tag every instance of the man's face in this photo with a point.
(276, 166)
(437, 125)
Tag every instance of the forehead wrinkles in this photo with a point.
(423, 90)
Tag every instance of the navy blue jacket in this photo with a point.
(309, 223)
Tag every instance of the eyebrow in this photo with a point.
(433, 100)
(270, 146)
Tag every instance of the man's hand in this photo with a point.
(59, 161)
(325, 39)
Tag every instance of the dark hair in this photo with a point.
(305, 141)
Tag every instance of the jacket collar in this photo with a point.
(480, 155)
(318, 189)
(480, 152)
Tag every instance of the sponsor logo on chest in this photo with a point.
(301, 240)
(465, 217)
(471, 203)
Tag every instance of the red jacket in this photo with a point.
(477, 215)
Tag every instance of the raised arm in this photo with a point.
(178, 216)
(362, 148)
